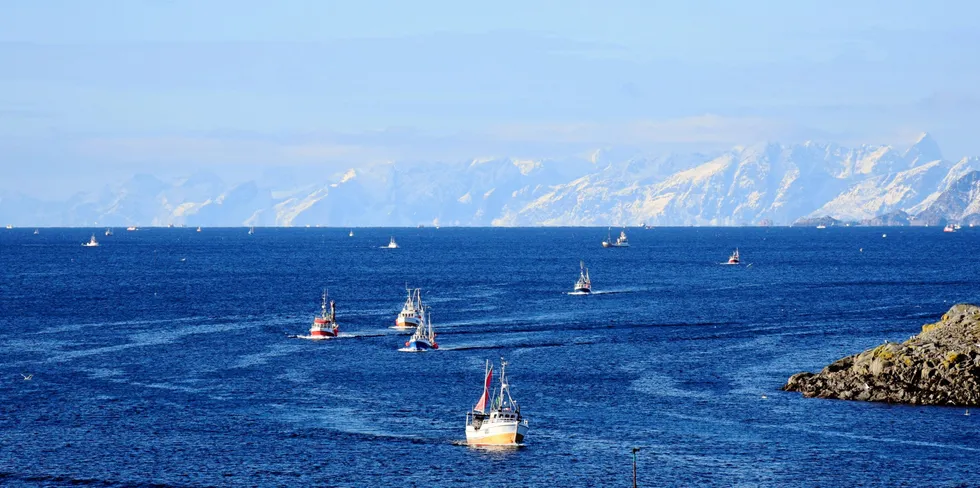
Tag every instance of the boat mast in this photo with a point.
(323, 304)
(503, 382)
(428, 322)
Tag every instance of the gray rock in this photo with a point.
(940, 366)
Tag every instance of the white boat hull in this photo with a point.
(405, 323)
(509, 433)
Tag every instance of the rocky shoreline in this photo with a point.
(939, 366)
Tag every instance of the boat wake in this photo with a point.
(601, 292)
(343, 335)
(492, 448)
(310, 338)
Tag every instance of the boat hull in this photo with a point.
(497, 434)
(418, 346)
(583, 290)
(321, 334)
(406, 322)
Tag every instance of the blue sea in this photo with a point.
(164, 357)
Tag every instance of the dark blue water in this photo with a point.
(163, 357)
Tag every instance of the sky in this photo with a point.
(97, 90)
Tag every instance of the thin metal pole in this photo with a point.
(634, 465)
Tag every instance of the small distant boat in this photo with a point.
(411, 313)
(884, 236)
(9, 227)
(957, 227)
(734, 258)
(351, 233)
(821, 226)
(108, 232)
(391, 244)
(424, 338)
(621, 241)
(199, 229)
(325, 325)
(91, 242)
(251, 230)
(36, 232)
(496, 418)
(949, 228)
(584, 283)
(132, 228)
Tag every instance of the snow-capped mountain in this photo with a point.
(778, 183)
(960, 202)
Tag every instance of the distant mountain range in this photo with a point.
(769, 183)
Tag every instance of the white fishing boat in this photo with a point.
(584, 283)
(949, 228)
(325, 325)
(496, 418)
(424, 338)
(199, 229)
(411, 313)
(251, 230)
(620, 241)
(108, 232)
(132, 228)
(36, 231)
(734, 258)
(351, 233)
(9, 227)
(391, 244)
(821, 226)
(91, 242)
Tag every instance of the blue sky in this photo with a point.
(94, 90)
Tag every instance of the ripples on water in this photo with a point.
(165, 357)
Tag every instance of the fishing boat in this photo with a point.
(821, 226)
(391, 244)
(411, 313)
(132, 228)
(9, 227)
(199, 229)
(108, 232)
(91, 242)
(36, 231)
(949, 228)
(251, 230)
(325, 325)
(734, 258)
(584, 283)
(620, 241)
(496, 418)
(351, 233)
(424, 338)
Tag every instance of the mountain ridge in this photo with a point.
(745, 185)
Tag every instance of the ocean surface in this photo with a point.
(164, 357)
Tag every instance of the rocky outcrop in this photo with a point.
(940, 366)
(897, 218)
(815, 221)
